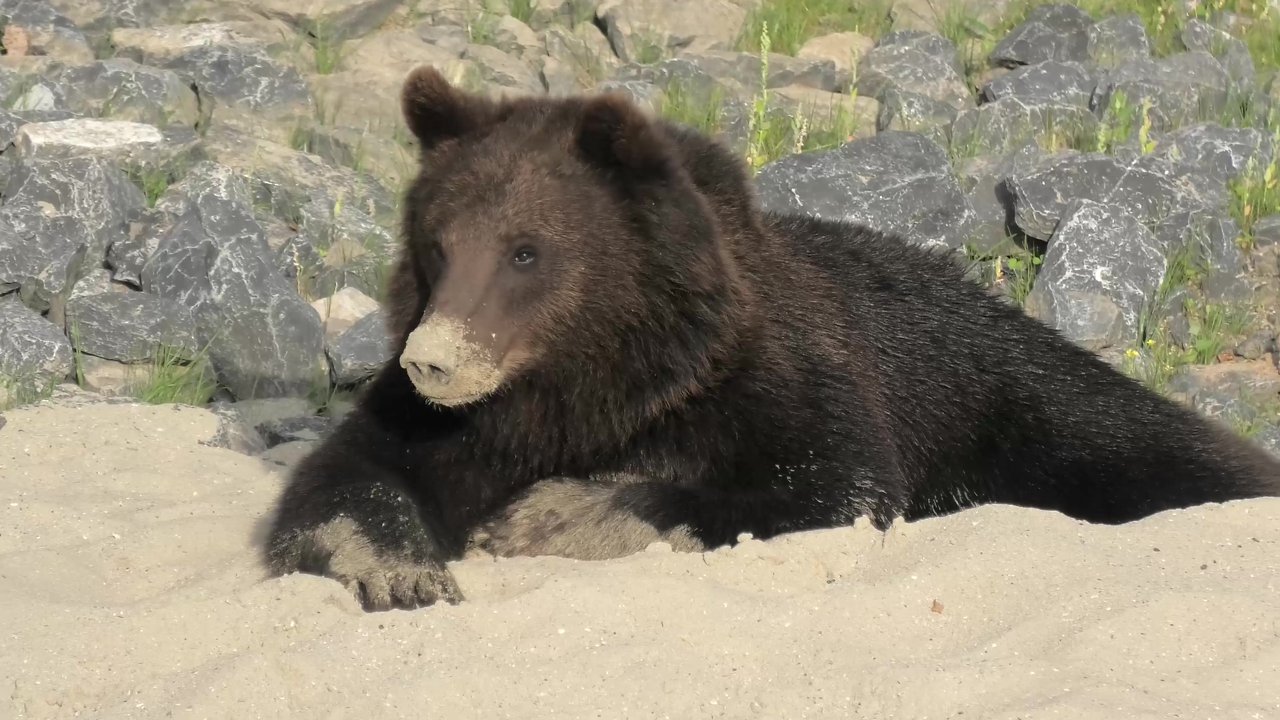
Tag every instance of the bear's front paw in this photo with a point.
(380, 578)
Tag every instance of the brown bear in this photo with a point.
(600, 340)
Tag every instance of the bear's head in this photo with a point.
(563, 246)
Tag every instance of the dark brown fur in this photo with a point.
(745, 371)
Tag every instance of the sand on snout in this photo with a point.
(130, 587)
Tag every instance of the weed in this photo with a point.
(328, 48)
(1155, 362)
(1213, 328)
(152, 180)
(796, 21)
(1255, 194)
(1117, 122)
(173, 378)
(521, 10)
(702, 111)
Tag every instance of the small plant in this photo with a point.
(1145, 144)
(521, 10)
(1255, 194)
(482, 29)
(1117, 122)
(757, 123)
(1213, 327)
(796, 21)
(152, 181)
(328, 47)
(1024, 271)
(173, 378)
(702, 111)
(1155, 362)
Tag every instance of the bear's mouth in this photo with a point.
(452, 401)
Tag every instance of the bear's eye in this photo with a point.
(524, 256)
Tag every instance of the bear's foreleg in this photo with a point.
(595, 519)
(346, 516)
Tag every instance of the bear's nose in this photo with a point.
(432, 372)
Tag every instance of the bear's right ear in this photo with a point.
(436, 111)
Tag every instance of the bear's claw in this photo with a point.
(378, 577)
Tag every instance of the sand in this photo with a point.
(131, 589)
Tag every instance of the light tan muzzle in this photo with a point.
(446, 366)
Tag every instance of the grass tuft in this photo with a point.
(793, 22)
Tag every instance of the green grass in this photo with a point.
(152, 181)
(1008, 268)
(16, 391)
(701, 111)
(1164, 21)
(1214, 329)
(172, 378)
(792, 22)
(1255, 194)
(328, 47)
(521, 10)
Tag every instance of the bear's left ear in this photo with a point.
(436, 111)
(613, 133)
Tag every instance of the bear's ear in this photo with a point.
(613, 133)
(436, 111)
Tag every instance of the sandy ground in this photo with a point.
(131, 589)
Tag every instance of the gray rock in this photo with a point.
(1144, 187)
(1256, 345)
(336, 250)
(1212, 151)
(263, 339)
(9, 124)
(104, 15)
(982, 178)
(361, 351)
(1231, 52)
(90, 189)
(127, 255)
(1266, 231)
(1046, 83)
(579, 58)
(128, 326)
(1050, 32)
(35, 13)
(894, 181)
(501, 70)
(34, 353)
(645, 94)
(1118, 39)
(1180, 88)
(647, 30)
(124, 143)
(333, 19)
(1233, 395)
(298, 429)
(283, 181)
(929, 43)
(909, 68)
(1101, 267)
(741, 70)
(234, 433)
(41, 255)
(1009, 123)
(912, 112)
(244, 77)
(1211, 238)
(26, 90)
(121, 89)
(1268, 438)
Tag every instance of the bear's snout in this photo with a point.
(446, 366)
